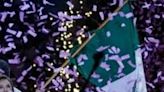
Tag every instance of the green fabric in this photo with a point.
(123, 38)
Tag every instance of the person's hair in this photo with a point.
(4, 77)
(4, 68)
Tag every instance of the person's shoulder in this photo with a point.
(16, 90)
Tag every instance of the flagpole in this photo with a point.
(82, 46)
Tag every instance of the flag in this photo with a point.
(111, 60)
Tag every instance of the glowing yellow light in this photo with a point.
(57, 49)
(90, 12)
(67, 50)
(67, 76)
(71, 12)
(76, 90)
(57, 40)
(81, 2)
(51, 18)
(77, 85)
(69, 85)
(62, 35)
(65, 47)
(64, 42)
(83, 35)
(49, 69)
(35, 86)
(69, 42)
(66, 90)
(52, 64)
(70, 46)
(34, 65)
(62, 38)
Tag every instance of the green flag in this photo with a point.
(109, 58)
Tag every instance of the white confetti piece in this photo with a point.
(94, 8)
(101, 15)
(32, 33)
(129, 15)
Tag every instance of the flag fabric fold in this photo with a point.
(109, 60)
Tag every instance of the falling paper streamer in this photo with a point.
(113, 3)
(24, 7)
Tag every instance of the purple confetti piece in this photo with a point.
(20, 79)
(157, 16)
(102, 48)
(32, 33)
(94, 8)
(45, 2)
(11, 25)
(70, 4)
(146, 5)
(13, 32)
(39, 61)
(121, 3)
(62, 29)
(3, 16)
(24, 7)
(19, 33)
(113, 3)
(25, 40)
(43, 17)
(129, 15)
(125, 57)
(71, 80)
(24, 73)
(7, 4)
(21, 16)
(131, 64)
(105, 66)
(12, 45)
(50, 48)
(33, 9)
(63, 54)
(96, 76)
(101, 15)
